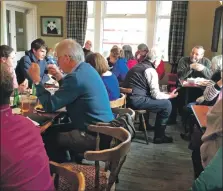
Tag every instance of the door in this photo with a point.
(16, 30)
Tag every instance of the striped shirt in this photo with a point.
(211, 92)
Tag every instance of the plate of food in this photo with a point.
(39, 108)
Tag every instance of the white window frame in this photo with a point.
(99, 15)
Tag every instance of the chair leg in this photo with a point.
(145, 132)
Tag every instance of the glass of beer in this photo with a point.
(25, 101)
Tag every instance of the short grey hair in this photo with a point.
(71, 48)
(142, 47)
(199, 47)
(154, 54)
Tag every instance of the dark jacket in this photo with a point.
(84, 95)
(136, 80)
(184, 71)
(24, 64)
(86, 52)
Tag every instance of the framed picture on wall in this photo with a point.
(51, 26)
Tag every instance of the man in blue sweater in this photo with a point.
(83, 94)
(37, 54)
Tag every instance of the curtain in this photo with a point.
(77, 14)
(177, 32)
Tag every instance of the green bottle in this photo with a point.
(16, 98)
(33, 90)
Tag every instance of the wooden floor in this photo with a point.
(164, 167)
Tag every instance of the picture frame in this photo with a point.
(51, 26)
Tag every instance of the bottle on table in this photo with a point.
(33, 90)
(16, 98)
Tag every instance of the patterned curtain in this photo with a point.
(77, 14)
(177, 32)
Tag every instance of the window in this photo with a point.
(128, 22)
(120, 25)
(119, 7)
(162, 26)
(90, 23)
(122, 32)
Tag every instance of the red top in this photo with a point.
(24, 162)
(161, 70)
(131, 63)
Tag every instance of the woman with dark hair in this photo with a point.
(8, 58)
(131, 61)
(24, 162)
(110, 80)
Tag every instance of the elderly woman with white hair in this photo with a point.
(156, 57)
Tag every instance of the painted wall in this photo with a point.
(200, 25)
(48, 8)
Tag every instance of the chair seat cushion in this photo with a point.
(140, 111)
(89, 173)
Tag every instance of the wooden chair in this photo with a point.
(139, 113)
(95, 177)
(120, 102)
(66, 179)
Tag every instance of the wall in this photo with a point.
(199, 27)
(48, 8)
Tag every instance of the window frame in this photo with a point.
(151, 15)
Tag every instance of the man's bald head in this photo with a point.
(88, 45)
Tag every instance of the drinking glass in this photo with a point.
(25, 101)
(164, 89)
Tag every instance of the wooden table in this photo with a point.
(200, 112)
(44, 127)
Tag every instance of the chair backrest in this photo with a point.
(76, 180)
(120, 102)
(116, 155)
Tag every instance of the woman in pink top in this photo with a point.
(7, 56)
(24, 163)
(131, 61)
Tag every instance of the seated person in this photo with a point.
(110, 64)
(84, 95)
(37, 54)
(158, 63)
(210, 96)
(196, 65)
(24, 162)
(212, 138)
(211, 178)
(50, 59)
(140, 55)
(216, 63)
(143, 80)
(7, 56)
(110, 80)
(120, 68)
(127, 51)
(87, 48)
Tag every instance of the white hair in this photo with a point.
(71, 48)
(154, 54)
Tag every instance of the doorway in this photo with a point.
(20, 25)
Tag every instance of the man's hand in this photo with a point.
(199, 67)
(34, 73)
(193, 66)
(55, 72)
(220, 83)
(173, 94)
